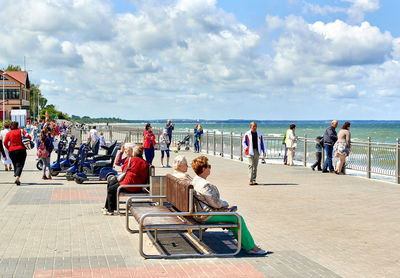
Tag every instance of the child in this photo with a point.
(318, 154)
(102, 140)
(164, 143)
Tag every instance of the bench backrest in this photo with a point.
(178, 193)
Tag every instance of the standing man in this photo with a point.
(169, 127)
(93, 135)
(253, 144)
(330, 138)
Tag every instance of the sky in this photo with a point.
(209, 59)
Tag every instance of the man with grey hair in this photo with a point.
(330, 138)
(180, 168)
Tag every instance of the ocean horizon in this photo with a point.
(384, 131)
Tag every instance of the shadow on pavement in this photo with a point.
(275, 184)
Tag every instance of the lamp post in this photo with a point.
(4, 100)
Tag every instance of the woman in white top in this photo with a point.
(5, 159)
(290, 143)
(208, 200)
(342, 147)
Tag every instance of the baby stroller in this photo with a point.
(184, 142)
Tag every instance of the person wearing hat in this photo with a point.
(318, 153)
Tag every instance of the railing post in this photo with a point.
(111, 134)
(231, 143)
(369, 158)
(207, 142)
(222, 143)
(241, 147)
(398, 160)
(305, 151)
(214, 143)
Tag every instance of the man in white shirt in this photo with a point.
(93, 135)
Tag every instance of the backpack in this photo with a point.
(42, 151)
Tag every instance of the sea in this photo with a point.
(378, 131)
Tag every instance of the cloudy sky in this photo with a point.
(210, 59)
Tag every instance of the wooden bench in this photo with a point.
(176, 215)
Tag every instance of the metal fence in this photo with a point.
(368, 157)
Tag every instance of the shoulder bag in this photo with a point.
(26, 142)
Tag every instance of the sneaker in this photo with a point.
(49, 178)
(44, 178)
(106, 212)
(259, 252)
(312, 168)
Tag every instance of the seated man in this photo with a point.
(134, 168)
(180, 168)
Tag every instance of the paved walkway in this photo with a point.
(316, 225)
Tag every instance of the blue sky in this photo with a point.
(209, 59)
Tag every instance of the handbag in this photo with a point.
(26, 142)
(122, 176)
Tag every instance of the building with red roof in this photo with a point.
(16, 90)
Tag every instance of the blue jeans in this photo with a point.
(196, 144)
(149, 153)
(328, 160)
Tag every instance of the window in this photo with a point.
(10, 93)
(3, 77)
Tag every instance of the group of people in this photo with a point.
(338, 144)
(13, 151)
(334, 144)
(135, 171)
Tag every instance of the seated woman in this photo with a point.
(136, 172)
(180, 168)
(209, 201)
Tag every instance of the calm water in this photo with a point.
(386, 132)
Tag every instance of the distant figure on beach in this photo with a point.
(253, 144)
(342, 147)
(149, 141)
(180, 168)
(5, 158)
(208, 200)
(198, 131)
(318, 154)
(169, 127)
(17, 151)
(164, 142)
(330, 138)
(290, 143)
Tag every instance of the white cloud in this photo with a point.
(178, 50)
(355, 12)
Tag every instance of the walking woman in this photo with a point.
(5, 158)
(17, 151)
(46, 143)
(342, 147)
(149, 141)
(290, 144)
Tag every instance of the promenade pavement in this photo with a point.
(315, 225)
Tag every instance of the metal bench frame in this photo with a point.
(188, 227)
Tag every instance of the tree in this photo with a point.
(35, 93)
(13, 68)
